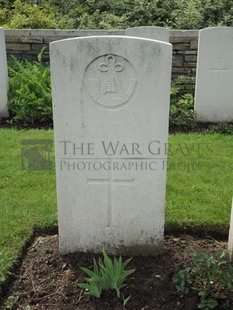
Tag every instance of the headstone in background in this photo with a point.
(111, 109)
(230, 239)
(3, 76)
(149, 32)
(214, 80)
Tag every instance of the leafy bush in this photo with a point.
(177, 14)
(191, 15)
(216, 13)
(30, 98)
(30, 95)
(106, 275)
(211, 277)
(182, 103)
(28, 15)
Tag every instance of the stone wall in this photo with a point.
(28, 43)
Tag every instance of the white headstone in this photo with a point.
(230, 238)
(214, 91)
(149, 32)
(111, 110)
(3, 76)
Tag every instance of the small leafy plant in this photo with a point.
(211, 277)
(106, 275)
(30, 98)
(182, 113)
(9, 304)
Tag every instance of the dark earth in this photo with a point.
(47, 280)
(9, 123)
(18, 125)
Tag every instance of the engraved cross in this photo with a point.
(220, 69)
(110, 181)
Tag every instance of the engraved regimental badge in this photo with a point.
(111, 81)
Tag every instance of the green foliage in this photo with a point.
(9, 303)
(187, 15)
(106, 275)
(93, 286)
(30, 91)
(217, 13)
(28, 15)
(182, 280)
(222, 128)
(30, 98)
(100, 21)
(25, 205)
(178, 14)
(182, 103)
(211, 276)
(4, 262)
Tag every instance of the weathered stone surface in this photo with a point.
(38, 47)
(178, 61)
(3, 76)
(193, 44)
(30, 39)
(191, 52)
(181, 71)
(191, 58)
(180, 46)
(186, 34)
(149, 32)
(185, 41)
(214, 91)
(111, 110)
(64, 34)
(190, 64)
(18, 47)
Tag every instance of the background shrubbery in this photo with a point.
(182, 103)
(107, 14)
(30, 99)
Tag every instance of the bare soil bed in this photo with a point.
(8, 123)
(47, 280)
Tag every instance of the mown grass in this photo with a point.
(199, 188)
(27, 199)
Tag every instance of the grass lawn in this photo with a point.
(27, 199)
(200, 184)
(199, 188)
